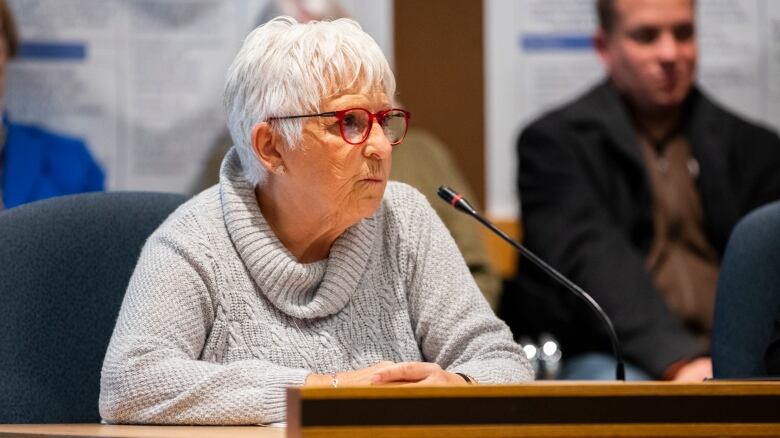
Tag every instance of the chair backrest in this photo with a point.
(747, 303)
(64, 267)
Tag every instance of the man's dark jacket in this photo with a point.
(587, 210)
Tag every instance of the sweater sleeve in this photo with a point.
(453, 323)
(153, 370)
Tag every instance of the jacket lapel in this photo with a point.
(709, 136)
(604, 108)
(619, 126)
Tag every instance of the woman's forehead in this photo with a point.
(367, 96)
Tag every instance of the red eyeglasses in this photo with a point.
(355, 123)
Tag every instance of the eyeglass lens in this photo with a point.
(355, 125)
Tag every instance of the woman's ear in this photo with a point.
(266, 144)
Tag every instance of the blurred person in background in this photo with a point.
(631, 191)
(35, 163)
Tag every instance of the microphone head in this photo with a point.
(454, 199)
(447, 194)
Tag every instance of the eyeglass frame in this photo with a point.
(339, 115)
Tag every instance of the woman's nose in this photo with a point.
(377, 144)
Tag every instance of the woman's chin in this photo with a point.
(368, 205)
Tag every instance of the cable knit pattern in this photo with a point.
(219, 317)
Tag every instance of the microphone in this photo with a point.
(453, 198)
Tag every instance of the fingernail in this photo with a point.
(376, 378)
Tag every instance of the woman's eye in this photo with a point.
(390, 118)
(350, 121)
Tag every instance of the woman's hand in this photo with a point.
(383, 373)
(416, 373)
(359, 377)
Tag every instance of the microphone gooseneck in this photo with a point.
(453, 198)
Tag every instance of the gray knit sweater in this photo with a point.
(219, 318)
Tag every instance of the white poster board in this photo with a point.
(141, 80)
(538, 55)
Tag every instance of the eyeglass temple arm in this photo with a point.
(328, 114)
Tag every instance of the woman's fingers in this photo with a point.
(405, 372)
(382, 364)
(421, 373)
(360, 376)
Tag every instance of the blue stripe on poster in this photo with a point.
(52, 51)
(555, 42)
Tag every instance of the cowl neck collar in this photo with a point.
(300, 290)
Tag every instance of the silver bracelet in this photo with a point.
(334, 379)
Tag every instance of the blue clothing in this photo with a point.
(38, 164)
(597, 366)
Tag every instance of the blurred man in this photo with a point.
(632, 191)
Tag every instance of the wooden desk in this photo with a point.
(540, 409)
(100, 430)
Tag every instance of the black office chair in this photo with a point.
(64, 267)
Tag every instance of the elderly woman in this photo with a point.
(303, 266)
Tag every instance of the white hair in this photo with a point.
(287, 68)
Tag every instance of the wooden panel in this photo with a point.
(539, 409)
(553, 430)
(503, 257)
(439, 69)
(544, 388)
(106, 430)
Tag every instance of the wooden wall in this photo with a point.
(439, 69)
(439, 65)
